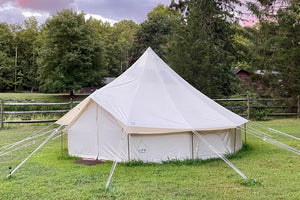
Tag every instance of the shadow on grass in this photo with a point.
(246, 149)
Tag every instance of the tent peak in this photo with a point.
(149, 49)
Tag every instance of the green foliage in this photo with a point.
(27, 54)
(287, 59)
(6, 58)
(274, 49)
(119, 47)
(259, 114)
(71, 56)
(202, 51)
(156, 31)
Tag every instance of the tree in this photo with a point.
(287, 45)
(25, 44)
(71, 56)
(275, 52)
(6, 58)
(157, 30)
(202, 51)
(119, 47)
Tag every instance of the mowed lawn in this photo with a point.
(48, 175)
(41, 97)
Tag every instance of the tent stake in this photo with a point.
(110, 174)
(47, 139)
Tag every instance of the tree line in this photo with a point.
(201, 40)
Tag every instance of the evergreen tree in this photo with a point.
(287, 57)
(202, 51)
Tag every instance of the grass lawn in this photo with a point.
(41, 97)
(47, 175)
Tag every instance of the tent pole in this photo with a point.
(110, 174)
(192, 146)
(220, 155)
(245, 127)
(47, 139)
(128, 148)
(62, 144)
(234, 142)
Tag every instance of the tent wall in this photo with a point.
(96, 134)
(225, 141)
(180, 146)
(159, 147)
(82, 134)
(112, 138)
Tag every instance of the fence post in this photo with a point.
(298, 107)
(71, 103)
(248, 107)
(2, 109)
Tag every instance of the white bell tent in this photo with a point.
(150, 113)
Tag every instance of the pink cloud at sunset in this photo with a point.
(47, 5)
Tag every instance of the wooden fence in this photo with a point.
(22, 112)
(269, 107)
(241, 106)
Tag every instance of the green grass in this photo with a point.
(41, 97)
(47, 175)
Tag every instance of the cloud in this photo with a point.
(9, 13)
(13, 11)
(135, 10)
(99, 17)
(45, 5)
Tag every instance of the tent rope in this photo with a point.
(273, 130)
(47, 139)
(265, 138)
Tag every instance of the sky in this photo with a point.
(16, 11)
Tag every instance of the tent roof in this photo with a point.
(151, 95)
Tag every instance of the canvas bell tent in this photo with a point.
(150, 113)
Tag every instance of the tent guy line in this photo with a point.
(272, 130)
(263, 136)
(220, 155)
(47, 139)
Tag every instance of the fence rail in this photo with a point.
(248, 105)
(30, 112)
